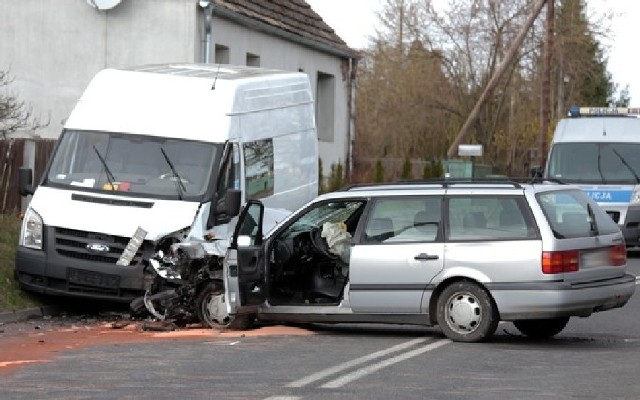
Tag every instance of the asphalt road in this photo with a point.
(593, 358)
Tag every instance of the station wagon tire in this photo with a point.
(541, 328)
(212, 311)
(466, 313)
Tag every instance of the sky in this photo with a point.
(355, 22)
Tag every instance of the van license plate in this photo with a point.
(90, 278)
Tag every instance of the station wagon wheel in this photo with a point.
(541, 328)
(466, 313)
(212, 309)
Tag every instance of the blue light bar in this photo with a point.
(575, 112)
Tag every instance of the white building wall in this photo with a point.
(52, 48)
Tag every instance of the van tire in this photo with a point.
(541, 328)
(211, 297)
(466, 313)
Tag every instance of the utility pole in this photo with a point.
(493, 82)
(545, 94)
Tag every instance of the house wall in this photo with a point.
(53, 48)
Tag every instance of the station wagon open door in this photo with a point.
(244, 264)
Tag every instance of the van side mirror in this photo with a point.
(226, 208)
(232, 201)
(25, 181)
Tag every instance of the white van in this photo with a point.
(598, 149)
(169, 152)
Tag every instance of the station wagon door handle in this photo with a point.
(425, 256)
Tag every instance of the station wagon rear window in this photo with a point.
(572, 214)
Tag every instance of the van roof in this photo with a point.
(209, 71)
(188, 101)
(598, 129)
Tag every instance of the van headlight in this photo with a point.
(635, 196)
(31, 232)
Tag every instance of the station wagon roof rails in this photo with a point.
(480, 181)
(410, 184)
(539, 179)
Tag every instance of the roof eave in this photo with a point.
(272, 30)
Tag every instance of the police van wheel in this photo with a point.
(466, 313)
(212, 309)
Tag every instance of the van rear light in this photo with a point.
(557, 262)
(618, 255)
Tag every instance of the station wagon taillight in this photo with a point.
(618, 255)
(557, 262)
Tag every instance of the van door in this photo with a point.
(399, 252)
(244, 265)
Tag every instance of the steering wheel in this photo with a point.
(319, 243)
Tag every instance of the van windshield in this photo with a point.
(595, 162)
(132, 164)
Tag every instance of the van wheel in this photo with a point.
(541, 328)
(466, 313)
(212, 309)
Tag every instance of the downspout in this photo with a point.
(207, 9)
(351, 110)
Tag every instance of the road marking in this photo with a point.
(19, 362)
(223, 342)
(637, 280)
(350, 364)
(283, 398)
(382, 364)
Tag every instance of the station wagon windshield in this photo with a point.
(132, 164)
(595, 162)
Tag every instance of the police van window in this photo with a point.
(595, 162)
(258, 162)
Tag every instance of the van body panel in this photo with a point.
(58, 208)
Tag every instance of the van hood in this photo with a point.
(112, 215)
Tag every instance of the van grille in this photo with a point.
(75, 244)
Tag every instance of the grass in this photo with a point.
(11, 296)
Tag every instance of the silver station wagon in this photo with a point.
(460, 255)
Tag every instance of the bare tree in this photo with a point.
(15, 114)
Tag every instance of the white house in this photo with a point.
(52, 48)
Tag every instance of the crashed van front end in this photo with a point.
(63, 255)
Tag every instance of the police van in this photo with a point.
(598, 149)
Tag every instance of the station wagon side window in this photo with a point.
(404, 219)
(489, 218)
